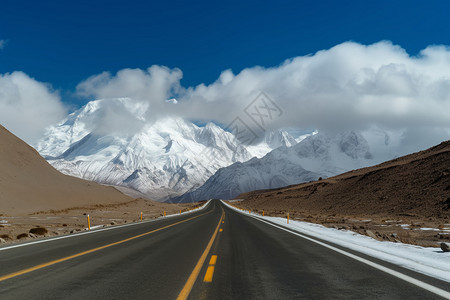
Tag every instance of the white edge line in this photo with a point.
(421, 284)
(99, 230)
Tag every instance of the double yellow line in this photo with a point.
(53, 262)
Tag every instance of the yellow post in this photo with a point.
(164, 213)
(141, 215)
(288, 218)
(180, 211)
(263, 213)
(89, 222)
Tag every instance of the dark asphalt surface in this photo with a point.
(254, 261)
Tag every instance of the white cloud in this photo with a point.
(27, 106)
(350, 86)
(155, 84)
(2, 44)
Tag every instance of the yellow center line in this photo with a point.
(209, 274)
(210, 271)
(213, 260)
(193, 277)
(53, 262)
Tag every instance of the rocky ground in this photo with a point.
(16, 228)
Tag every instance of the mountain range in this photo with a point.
(112, 141)
(319, 155)
(118, 142)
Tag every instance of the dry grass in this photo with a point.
(6, 237)
(39, 231)
(22, 236)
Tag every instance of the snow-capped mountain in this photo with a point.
(113, 141)
(318, 155)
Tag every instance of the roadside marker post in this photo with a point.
(288, 218)
(141, 215)
(164, 213)
(263, 213)
(89, 223)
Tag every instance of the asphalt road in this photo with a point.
(172, 257)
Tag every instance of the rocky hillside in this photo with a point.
(413, 185)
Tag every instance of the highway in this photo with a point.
(213, 253)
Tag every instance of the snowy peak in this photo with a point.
(272, 139)
(212, 135)
(91, 118)
(317, 155)
(326, 146)
(114, 141)
(278, 138)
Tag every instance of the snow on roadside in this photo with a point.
(188, 211)
(161, 217)
(427, 260)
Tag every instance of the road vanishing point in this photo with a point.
(213, 253)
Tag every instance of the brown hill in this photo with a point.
(406, 199)
(29, 184)
(413, 185)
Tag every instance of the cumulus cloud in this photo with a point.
(350, 86)
(154, 85)
(28, 106)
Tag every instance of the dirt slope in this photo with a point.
(412, 191)
(29, 184)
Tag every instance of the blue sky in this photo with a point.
(329, 65)
(63, 43)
